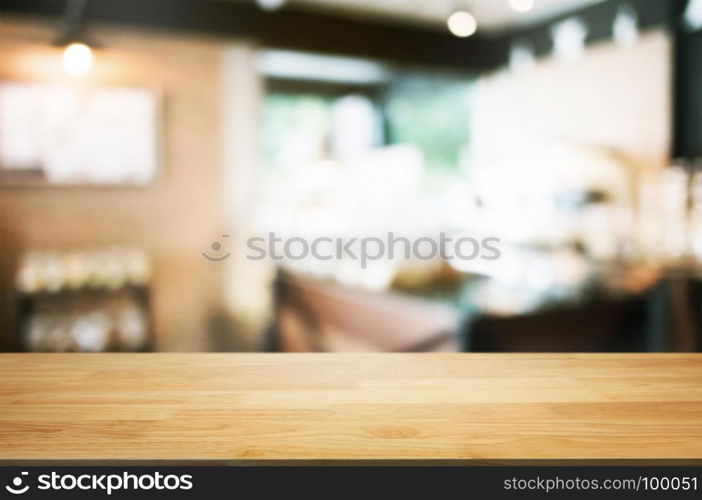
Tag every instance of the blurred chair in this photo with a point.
(320, 316)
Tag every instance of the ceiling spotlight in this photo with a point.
(462, 23)
(522, 5)
(693, 15)
(270, 5)
(77, 59)
(626, 25)
(569, 38)
(77, 54)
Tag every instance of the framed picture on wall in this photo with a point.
(65, 135)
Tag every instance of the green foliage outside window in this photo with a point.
(433, 114)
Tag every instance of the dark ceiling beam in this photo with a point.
(289, 28)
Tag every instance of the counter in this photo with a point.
(256, 407)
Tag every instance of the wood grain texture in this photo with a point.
(350, 406)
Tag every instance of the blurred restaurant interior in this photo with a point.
(144, 142)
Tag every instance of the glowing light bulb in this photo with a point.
(77, 59)
(521, 5)
(462, 23)
(270, 4)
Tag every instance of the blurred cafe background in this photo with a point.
(144, 142)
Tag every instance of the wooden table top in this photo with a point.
(227, 407)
